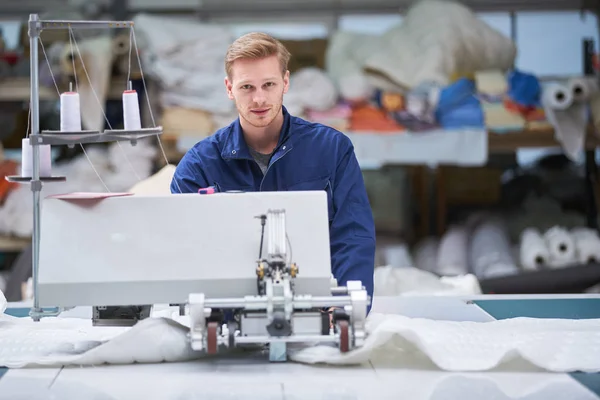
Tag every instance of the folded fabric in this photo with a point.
(458, 107)
(557, 345)
(524, 89)
(370, 118)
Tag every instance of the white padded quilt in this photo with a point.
(555, 345)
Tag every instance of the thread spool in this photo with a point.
(27, 159)
(131, 110)
(120, 45)
(70, 111)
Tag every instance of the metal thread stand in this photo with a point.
(37, 138)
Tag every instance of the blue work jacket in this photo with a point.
(309, 156)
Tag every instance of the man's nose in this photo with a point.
(259, 96)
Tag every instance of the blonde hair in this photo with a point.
(254, 46)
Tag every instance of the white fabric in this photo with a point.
(587, 244)
(408, 281)
(533, 251)
(490, 251)
(435, 147)
(436, 39)
(566, 110)
(188, 58)
(69, 341)
(310, 88)
(453, 253)
(345, 57)
(2, 303)
(425, 253)
(561, 246)
(558, 345)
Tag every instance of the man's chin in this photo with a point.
(259, 121)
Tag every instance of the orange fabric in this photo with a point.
(7, 168)
(530, 113)
(369, 118)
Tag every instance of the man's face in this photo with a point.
(257, 87)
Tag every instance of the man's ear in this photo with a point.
(286, 81)
(229, 87)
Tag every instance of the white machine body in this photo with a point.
(241, 282)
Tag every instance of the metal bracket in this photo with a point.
(33, 26)
(278, 352)
(36, 186)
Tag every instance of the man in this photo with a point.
(266, 149)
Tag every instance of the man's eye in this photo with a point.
(270, 83)
(246, 87)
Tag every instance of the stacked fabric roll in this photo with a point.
(481, 247)
(490, 251)
(558, 248)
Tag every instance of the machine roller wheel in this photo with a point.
(344, 336)
(211, 337)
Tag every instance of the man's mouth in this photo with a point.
(260, 111)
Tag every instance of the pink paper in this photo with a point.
(87, 195)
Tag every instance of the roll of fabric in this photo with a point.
(121, 44)
(567, 116)
(582, 88)
(452, 256)
(425, 254)
(556, 96)
(533, 251)
(490, 253)
(587, 245)
(561, 246)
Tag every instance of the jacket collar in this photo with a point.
(235, 145)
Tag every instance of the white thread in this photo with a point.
(132, 36)
(131, 111)
(70, 112)
(137, 53)
(102, 108)
(27, 159)
(28, 121)
(103, 113)
(90, 82)
(58, 91)
(129, 58)
(72, 35)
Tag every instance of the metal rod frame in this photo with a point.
(35, 27)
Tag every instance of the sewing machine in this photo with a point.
(248, 268)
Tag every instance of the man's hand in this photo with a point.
(330, 312)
